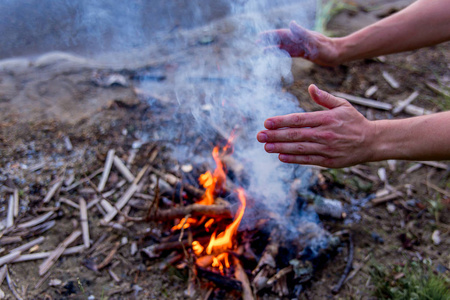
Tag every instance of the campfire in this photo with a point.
(275, 255)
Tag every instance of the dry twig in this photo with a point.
(240, 275)
(16, 203)
(109, 257)
(402, 104)
(9, 257)
(28, 245)
(125, 197)
(11, 287)
(52, 191)
(3, 271)
(107, 169)
(364, 101)
(48, 263)
(36, 221)
(43, 255)
(84, 222)
(123, 169)
(348, 266)
(10, 215)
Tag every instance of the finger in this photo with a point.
(308, 160)
(303, 148)
(272, 37)
(298, 120)
(304, 40)
(298, 31)
(325, 99)
(272, 49)
(287, 135)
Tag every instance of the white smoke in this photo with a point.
(235, 85)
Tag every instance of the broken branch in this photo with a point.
(48, 263)
(107, 169)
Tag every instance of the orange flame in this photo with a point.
(224, 240)
(218, 244)
(185, 223)
(214, 183)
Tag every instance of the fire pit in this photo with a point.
(278, 254)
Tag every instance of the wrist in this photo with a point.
(387, 142)
(341, 50)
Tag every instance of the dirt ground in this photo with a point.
(60, 98)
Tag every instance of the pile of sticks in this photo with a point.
(149, 196)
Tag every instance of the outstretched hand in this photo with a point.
(300, 42)
(334, 138)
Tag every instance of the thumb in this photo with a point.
(325, 99)
(298, 30)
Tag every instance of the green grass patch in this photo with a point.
(415, 281)
(326, 10)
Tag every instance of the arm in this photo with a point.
(341, 136)
(423, 23)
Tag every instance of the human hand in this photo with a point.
(300, 42)
(334, 138)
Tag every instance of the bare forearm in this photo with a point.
(418, 138)
(423, 23)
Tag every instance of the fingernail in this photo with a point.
(268, 124)
(282, 157)
(262, 137)
(270, 147)
(317, 90)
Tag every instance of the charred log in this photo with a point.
(216, 211)
(219, 280)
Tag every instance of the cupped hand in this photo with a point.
(335, 138)
(300, 42)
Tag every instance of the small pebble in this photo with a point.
(377, 238)
(392, 163)
(55, 282)
(187, 168)
(390, 208)
(436, 237)
(382, 174)
(134, 248)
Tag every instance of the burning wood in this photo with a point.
(219, 280)
(216, 211)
